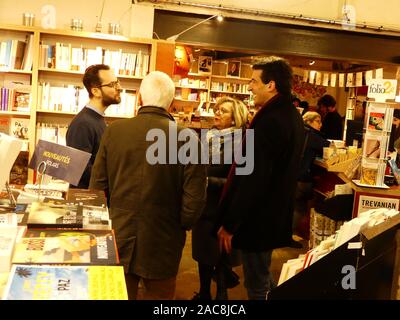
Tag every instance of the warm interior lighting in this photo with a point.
(311, 62)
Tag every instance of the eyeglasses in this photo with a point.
(112, 84)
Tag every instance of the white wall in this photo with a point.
(372, 12)
(88, 10)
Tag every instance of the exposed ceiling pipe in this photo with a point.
(292, 17)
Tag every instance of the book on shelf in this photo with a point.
(5, 125)
(11, 54)
(62, 56)
(102, 243)
(33, 282)
(28, 54)
(15, 98)
(52, 132)
(20, 128)
(48, 215)
(71, 99)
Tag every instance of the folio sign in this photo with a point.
(382, 89)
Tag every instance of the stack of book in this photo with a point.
(347, 231)
(67, 251)
(321, 227)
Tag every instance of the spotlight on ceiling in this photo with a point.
(311, 62)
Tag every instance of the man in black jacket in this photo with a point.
(332, 123)
(86, 129)
(256, 210)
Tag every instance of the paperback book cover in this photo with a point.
(93, 217)
(27, 282)
(374, 146)
(87, 197)
(369, 173)
(48, 215)
(103, 248)
(41, 250)
(377, 118)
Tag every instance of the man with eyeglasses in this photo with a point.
(87, 127)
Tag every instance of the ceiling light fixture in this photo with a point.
(174, 37)
(311, 62)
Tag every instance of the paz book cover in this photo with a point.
(27, 282)
(103, 248)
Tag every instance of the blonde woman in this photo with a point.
(314, 144)
(230, 114)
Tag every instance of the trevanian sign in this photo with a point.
(62, 162)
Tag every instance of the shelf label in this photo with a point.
(382, 89)
(367, 203)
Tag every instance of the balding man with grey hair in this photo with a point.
(152, 203)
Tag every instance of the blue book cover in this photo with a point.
(47, 283)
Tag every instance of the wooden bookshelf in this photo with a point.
(230, 79)
(80, 73)
(15, 113)
(15, 71)
(38, 74)
(230, 92)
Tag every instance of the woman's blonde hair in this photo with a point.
(239, 110)
(310, 116)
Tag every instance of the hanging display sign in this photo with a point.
(382, 89)
(59, 161)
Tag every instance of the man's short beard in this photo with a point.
(107, 101)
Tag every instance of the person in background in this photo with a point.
(256, 210)
(396, 123)
(332, 124)
(230, 114)
(152, 204)
(313, 147)
(304, 104)
(87, 127)
(322, 109)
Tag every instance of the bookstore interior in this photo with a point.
(51, 231)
